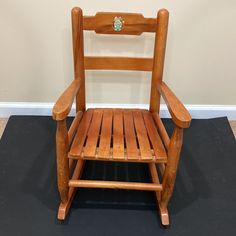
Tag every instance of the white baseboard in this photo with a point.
(45, 109)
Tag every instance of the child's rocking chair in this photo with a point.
(127, 135)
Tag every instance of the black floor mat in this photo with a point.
(204, 200)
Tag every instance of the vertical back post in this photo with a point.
(159, 57)
(78, 51)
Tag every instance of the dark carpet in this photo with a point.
(204, 200)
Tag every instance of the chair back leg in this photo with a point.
(78, 51)
(169, 176)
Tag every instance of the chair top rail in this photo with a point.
(119, 23)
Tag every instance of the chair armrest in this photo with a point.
(179, 113)
(63, 105)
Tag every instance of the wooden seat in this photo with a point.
(118, 135)
(128, 135)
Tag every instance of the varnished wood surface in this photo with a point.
(153, 134)
(170, 172)
(115, 185)
(118, 151)
(118, 134)
(133, 23)
(155, 179)
(179, 113)
(81, 133)
(65, 206)
(159, 57)
(106, 135)
(118, 63)
(161, 129)
(62, 160)
(78, 52)
(128, 135)
(63, 105)
(142, 136)
(74, 125)
(90, 147)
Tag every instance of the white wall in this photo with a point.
(36, 51)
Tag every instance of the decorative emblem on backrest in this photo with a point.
(118, 23)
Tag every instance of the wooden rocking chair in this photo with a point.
(125, 135)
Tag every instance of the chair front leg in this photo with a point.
(169, 176)
(62, 160)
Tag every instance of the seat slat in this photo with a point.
(144, 145)
(105, 139)
(118, 136)
(93, 133)
(74, 126)
(155, 139)
(81, 134)
(130, 137)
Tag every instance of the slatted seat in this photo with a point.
(118, 135)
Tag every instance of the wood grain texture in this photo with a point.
(126, 135)
(144, 145)
(63, 105)
(118, 135)
(133, 23)
(157, 145)
(159, 57)
(118, 63)
(93, 134)
(115, 185)
(78, 52)
(171, 166)
(78, 143)
(106, 133)
(155, 179)
(161, 129)
(62, 160)
(179, 113)
(65, 206)
(74, 125)
(130, 136)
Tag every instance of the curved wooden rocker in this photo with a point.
(127, 135)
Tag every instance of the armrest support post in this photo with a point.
(169, 176)
(62, 159)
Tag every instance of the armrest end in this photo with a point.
(63, 105)
(179, 113)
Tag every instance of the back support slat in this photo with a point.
(133, 24)
(118, 63)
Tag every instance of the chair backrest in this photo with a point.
(120, 23)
